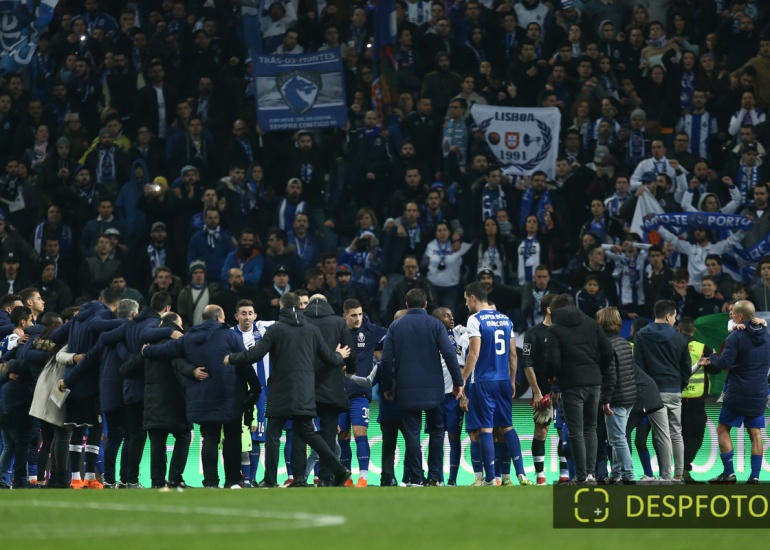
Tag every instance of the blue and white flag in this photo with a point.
(21, 24)
(699, 220)
(523, 140)
(300, 91)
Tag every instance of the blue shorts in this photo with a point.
(358, 415)
(730, 418)
(259, 435)
(287, 426)
(453, 415)
(491, 405)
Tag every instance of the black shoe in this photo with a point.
(297, 483)
(342, 477)
(325, 483)
(178, 485)
(689, 480)
(267, 485)
(752, 481)
(434, 483)
(723, 479)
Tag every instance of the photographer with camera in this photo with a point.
(443, 258)
(364, 256)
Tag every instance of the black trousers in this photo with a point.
(303, 433)
(117, 435)
(231, 452)
(328, 417)
(389, 430)
(693, 428)
(434, 425)
(46, 435)
(137, 436)
(158, 455)
(21, 429)
(60, 447)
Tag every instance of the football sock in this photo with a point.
(253, 461)
(727, 461)
(644, 458)
(538, 456)
(514, 446)
(504, 456)
(92, 453)
(362, 453)
(476, 459)
(245, 466)
(488, 454)
(76, 454)
(756, 466)
(454, 458)
(346, 455)
(287, 453)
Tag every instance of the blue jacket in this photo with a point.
(411, 361)
(214, 257)
(6, 327)
(747, 355)
(368, 339)
(662, 352)
(125, 205)
(252, 268)
(129, 338)
(81, 333)
(220, 398)
(22, 361)
(101, 364)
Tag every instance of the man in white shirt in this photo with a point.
(658, 164)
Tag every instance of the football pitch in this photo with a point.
(371, 518)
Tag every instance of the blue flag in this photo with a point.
(23, 21)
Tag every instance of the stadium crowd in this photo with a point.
(137, 182)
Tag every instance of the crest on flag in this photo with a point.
(512, 140)
(299, 89)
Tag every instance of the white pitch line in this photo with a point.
(294, 520)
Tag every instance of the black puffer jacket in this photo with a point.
(293, 345)
(619, 382)
(577, 351)
(648, 397)
(330, 383)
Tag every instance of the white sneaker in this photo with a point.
(647, 479)
(477, 482)
(494, 483)
(235, 486)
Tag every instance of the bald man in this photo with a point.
(747, 355)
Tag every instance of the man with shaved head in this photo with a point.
(747, 355)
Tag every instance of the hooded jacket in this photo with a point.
(619, 386)
(747, 355)
(293, 345)
(107, 360)
(662, 353)
(411, 361)
(577, 353)
(219, 399)
(81, 333)
(25, 363)
(329, 383)
(129, 339)
(125, 205)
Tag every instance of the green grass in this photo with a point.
(372, 518)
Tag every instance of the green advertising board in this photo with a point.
(705, 466)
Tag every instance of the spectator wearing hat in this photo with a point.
(12, 283)
(95, 228)
(270, 298)
(120, 251)
(97, 270)
(196, 296)
(56, 294)
(156, 254)
(212, 244)
(344, 290)
(637, 145)
(107, 162)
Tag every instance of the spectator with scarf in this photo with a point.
(107, 162)
(456, 133)
(490, 252)
(750, 171)
(748, 114)
(211, 244)
(536, 199)
(443, 259)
